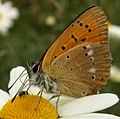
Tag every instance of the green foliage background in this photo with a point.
(30, 36)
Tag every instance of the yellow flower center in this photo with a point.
(24, 107)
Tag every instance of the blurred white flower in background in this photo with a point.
(114, 31)
(50, 20)
(8, 13)
(115, 74)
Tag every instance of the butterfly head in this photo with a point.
(40, 79)
(33, 68)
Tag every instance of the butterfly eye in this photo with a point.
(35, 68)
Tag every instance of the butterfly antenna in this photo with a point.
(16, 80)
(22, 86)
(29, 85)
(14, 97)
(28, 71)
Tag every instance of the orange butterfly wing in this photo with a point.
(90, 26)
(89, 31)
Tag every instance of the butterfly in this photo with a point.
(78, 61)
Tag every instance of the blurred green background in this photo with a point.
(40, 22)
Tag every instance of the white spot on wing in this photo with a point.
(88, 46)
(92, 70)
(90, 52)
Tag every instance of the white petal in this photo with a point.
(34, 89)
(14, 74)
(88, 104)
(92, 116)
(4, 97)
(62, 99)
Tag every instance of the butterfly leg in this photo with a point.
(57, 104)
(57, 94)
(39, 93)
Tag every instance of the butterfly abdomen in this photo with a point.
(49, 84)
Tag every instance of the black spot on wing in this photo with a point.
(63, 47)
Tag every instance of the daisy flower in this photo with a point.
(23, 107)
(8, 13)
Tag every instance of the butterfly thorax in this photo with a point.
(49, 85)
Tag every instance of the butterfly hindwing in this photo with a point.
(83, 68)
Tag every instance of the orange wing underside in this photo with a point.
(84, 69)
(90, 26)
(80, 56)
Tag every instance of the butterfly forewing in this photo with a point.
(90, 26)
(79, 59)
